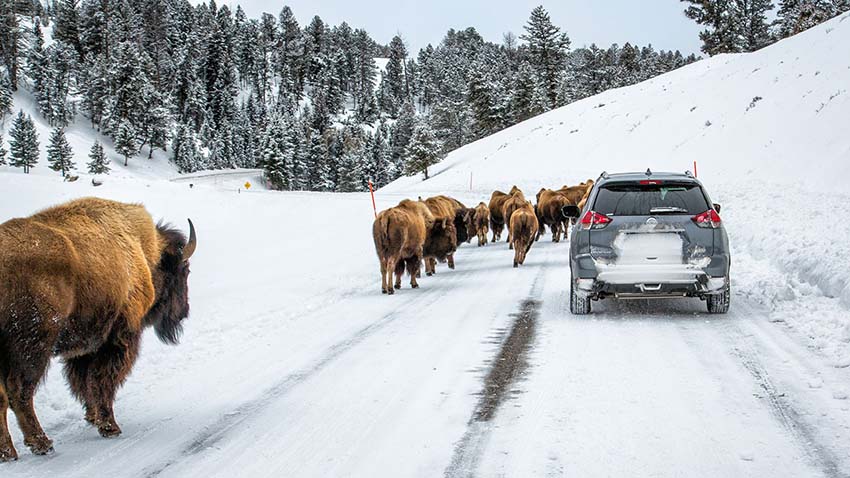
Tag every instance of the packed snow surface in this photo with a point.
(294, 364)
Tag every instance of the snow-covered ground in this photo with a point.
(294, 364)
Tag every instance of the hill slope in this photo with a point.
(775, 113)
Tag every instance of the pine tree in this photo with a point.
(37, 64)
(125, 141)
(722, 33)
(547, 48)
(66, 26)
(752, 24)
(10, 41)
(5, 97)
(184, 149)
(99, 164)
(274, 154)
(423, 151)
(59, 154)
(23, 143)
(2, 151)
(396, 80)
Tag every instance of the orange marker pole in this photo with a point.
(372, 192)
(695, 168)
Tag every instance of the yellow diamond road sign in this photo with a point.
(247, 185)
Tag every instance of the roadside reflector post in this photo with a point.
(695, 168)
(372, 192)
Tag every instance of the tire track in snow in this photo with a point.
(233, 419)
(508, 364)
(781, 406)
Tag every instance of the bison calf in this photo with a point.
(480, 220)
(82, 280)
(399, 235)
(523, 230)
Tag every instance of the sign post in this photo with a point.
(372, 192)
(695, 168)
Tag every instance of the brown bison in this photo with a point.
(549, 206)
(480, 221)
(523, 230)
(514, 201)
(441, 241)
(583, 200)
(399, 233)
(575, 194)
(497, 221)
(464, 220)
(82, 281)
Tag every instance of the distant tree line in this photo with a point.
(736, 26)
(308, 104)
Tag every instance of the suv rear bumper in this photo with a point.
(652, 281)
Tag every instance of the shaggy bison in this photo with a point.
(549, 206)
(514, 201)
(442, 239)
(497, 222)
(480, 221)
(523, 229)
(399, 234)
(82, 280)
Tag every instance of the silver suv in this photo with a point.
(648, 235)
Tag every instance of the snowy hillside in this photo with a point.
(780, 113)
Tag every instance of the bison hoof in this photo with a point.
(383, 291)
(40, 445)
(109, 430)
(7, 454)
(415, 286)
(398, 286)
(390, 291)
(429, 274)
(452, 266)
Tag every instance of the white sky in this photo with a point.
(660, 22)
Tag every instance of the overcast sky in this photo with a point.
(660, 22)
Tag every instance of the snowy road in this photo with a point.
(640, 389)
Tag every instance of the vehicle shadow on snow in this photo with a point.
(661, 310)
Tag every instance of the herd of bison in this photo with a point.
(431, 229)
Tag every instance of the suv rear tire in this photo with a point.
(719, 303)
(579, 305)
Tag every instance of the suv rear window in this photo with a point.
(633, 199)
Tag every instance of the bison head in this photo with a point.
(465, 224)
(171, 281)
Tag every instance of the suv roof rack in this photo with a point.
(604, 175)
(688, 173)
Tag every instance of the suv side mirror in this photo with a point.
(717, 208)
(570, 211)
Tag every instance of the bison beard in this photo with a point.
(82, 280)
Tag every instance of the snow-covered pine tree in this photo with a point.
(351, 163)
(10, 42)
(291, 53)
(125, 141)
(547, 49)
(274, 153)
(525, 101)
(58, 84)
(319, 173)
(809, 13)
(37, 69)
(99, 163)
(66, 27)
(752, 24)
(395, 78)
(720, 17)
(23, 142)
(5, 97)
(2, 151)
(59, 154)
(423, 151)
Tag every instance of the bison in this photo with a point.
(82, 281)
(523, 229)
(497, 221)
(464, 225)
(549, 206)
(480, 221)
(514, 201)
(399, 234)
(441, 241)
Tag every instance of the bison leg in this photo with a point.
(451, 260)
(383, 276)
(7, 449)
(98, 376)
(413, 270)
(21, 391)
(399, 272)
(390, 269)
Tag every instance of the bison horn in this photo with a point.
(192, 244)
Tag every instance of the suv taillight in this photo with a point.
(594, 220)
(709, 219)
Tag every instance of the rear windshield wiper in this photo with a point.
(668, 210)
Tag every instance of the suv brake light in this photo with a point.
(708, 219)
(594, 220)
